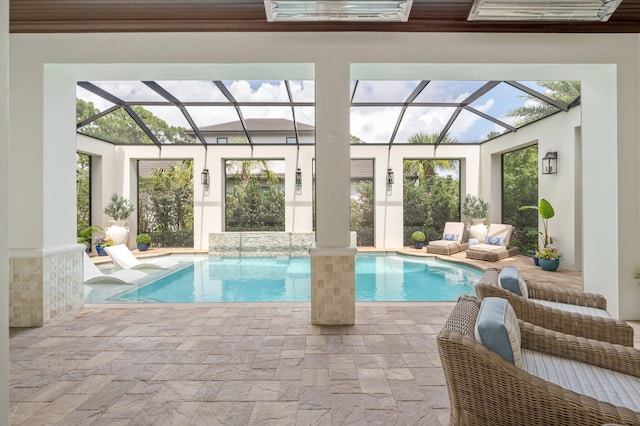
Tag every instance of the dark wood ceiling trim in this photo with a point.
(79, 16)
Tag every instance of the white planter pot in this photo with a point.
(478, 230)
(117, 232)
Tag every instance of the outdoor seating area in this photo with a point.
(454, 240)
(501, 370)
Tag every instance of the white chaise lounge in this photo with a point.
(124, 259)
(93, 274)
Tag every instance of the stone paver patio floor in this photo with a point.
(233, 364)
(230, 364)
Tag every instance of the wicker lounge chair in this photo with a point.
(452, 240)
(498, 249)
(564, 310)
(485, 389)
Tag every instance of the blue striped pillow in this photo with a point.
(511, 279)
(497, 328)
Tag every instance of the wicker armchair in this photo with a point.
(484, 389)
(592, 327)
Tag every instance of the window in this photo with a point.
(520, 188)
(431, 196)
(222, 141)
(291, 140)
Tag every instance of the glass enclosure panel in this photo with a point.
(448, 91)
(257, 90)
(383, 91)
(194, 90)
(306, 115)
(429, 121)
(211, 116)
(520, 188)
(503, 102)
(165, 202)
(362, 201)
(373, 124)
(564, 91)
(268, 112)
(99, 104)
(431, 196)
(303, 90)
(169, 125)
(130, 91)
(85, 232)
(471, 128)
(117, 128)
(254, 195)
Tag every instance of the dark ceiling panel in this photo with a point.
(50, 16)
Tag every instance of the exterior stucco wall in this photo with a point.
(556, 133)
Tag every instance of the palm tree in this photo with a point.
(425, 169)
(244, 168)
(535, 109)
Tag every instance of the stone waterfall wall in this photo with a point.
(239, 244)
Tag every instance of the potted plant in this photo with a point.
(101, 242)
(143, 241)
(119, 208)
(418, 239)
(85, 235)
(475, 209)
(546, 212)
(549, 258)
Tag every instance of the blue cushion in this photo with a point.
(511, 279)
(450, 237)
(497, 328)
(495, 241)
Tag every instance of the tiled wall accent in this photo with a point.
(44, 287)
(25, 292)
(63, 279)
(333, 290)
(236, 244)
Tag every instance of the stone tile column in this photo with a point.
(333, 298)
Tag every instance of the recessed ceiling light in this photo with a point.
(337, 10)
(542, 10)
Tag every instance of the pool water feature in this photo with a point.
(287, 279)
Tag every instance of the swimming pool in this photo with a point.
(284, 279)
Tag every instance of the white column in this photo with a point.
(4, 212)
(42, 196)
(332, 259)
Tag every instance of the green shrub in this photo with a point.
(143, 239)
(418, 237)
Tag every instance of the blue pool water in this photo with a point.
(269, 279)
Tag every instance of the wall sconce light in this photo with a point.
(389, 177)
(550, 163)
(204, 177)
(298, 176)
